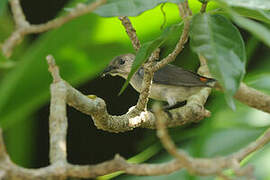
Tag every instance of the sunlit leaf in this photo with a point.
(147, 48)
(251, 4)
(220, 42)
(129, 7)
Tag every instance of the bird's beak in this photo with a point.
(107, 70)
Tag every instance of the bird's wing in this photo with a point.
(176, 76)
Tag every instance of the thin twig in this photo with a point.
(252, 147)
(180, 45)
(203, 8)
(167, 142)
(211, 166)
(23, 27)
(147, 81)
(131, 32)
(150, 67)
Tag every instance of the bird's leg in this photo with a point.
(174, 106)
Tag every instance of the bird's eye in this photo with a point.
(121, 61)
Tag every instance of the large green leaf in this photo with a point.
(220, 42)
(257, 29)
(147, 48)
(251, 4)
(129, 7)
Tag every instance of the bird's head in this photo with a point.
(120, 66)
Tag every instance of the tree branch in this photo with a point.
(211, 166)
(253, 98)
(203, 7)
(184, 13)
(12, 171)
(58, 123)
(150, 66)
(131, 32)
(23, 27)
(96, 107)
(18, 14)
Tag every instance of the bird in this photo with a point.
(170, 83)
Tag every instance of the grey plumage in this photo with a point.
(170, 83)
(177, 76)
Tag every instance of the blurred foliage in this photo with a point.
(82, 49)
(3, 5)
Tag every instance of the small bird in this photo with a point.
(170, 83)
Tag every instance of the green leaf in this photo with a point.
(251, 4)
(257, 29)
(3, 4)
(220, 42)
(129, 7)
(257, 14)
(147, 48)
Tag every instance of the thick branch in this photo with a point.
(23, 27)
(96, 108)
(90, 171)
(253, 98)
(58, 119)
